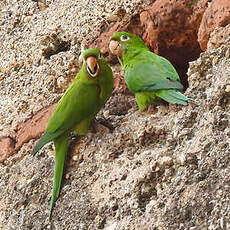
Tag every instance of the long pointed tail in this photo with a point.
(61, 145)
(173, 96)
(45, 138)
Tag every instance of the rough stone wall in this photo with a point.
(41, 44)
(167, 169)
(53, 36)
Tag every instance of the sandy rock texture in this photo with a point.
(169, 28)
(173, 29)
(167, 168)
(218, 37)
(42, 40)
(7, 148)
(216, 15)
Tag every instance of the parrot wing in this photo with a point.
(45, 138)
(163, 84)
(148, 72)
(80, 101)
(172, 96)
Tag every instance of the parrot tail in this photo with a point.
(61, 146)
(45, 138)
(173, 96)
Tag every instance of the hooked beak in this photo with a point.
(92, 66)
(115, 48)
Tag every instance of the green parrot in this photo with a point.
(147, 75)
(87, 94)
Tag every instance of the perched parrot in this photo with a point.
(147, 75)
(87, 94)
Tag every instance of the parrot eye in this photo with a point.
(124, 38)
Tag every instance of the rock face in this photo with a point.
(6, 148)
(169, 28)
(165, 169)
(216, 15)
(36, 69)
(220, 36)
(33, 128)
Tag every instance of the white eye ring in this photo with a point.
(124, 38)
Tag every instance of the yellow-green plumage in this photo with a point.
(78, 106)
(148, 75)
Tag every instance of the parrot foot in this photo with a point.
(73, 136)
(73, 139)
(105, 123)
(193, 102)
(102, 122)
(89, 138)
(152, 109)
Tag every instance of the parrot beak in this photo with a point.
(115, 48)
(92, 66)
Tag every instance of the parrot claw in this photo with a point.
(73, 136)
(192, 101)
(105, 123)
(102, 122)
(152, 109)
(89, 138)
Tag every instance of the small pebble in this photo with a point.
(181, 158)
(215, 60)
(67, 176)
(51, 153)
(166, 161)
(61, 82)
(106, 113)
(43, 7)
(227, 89)
(27, 19)
(3, 69)
(217, 107)
(75, 157)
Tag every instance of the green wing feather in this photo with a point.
(148, 71)
(173, 96)
(70, 111)
(163, 84)
(45, 138)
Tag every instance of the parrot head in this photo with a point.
(91, 57)
(122, 41)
